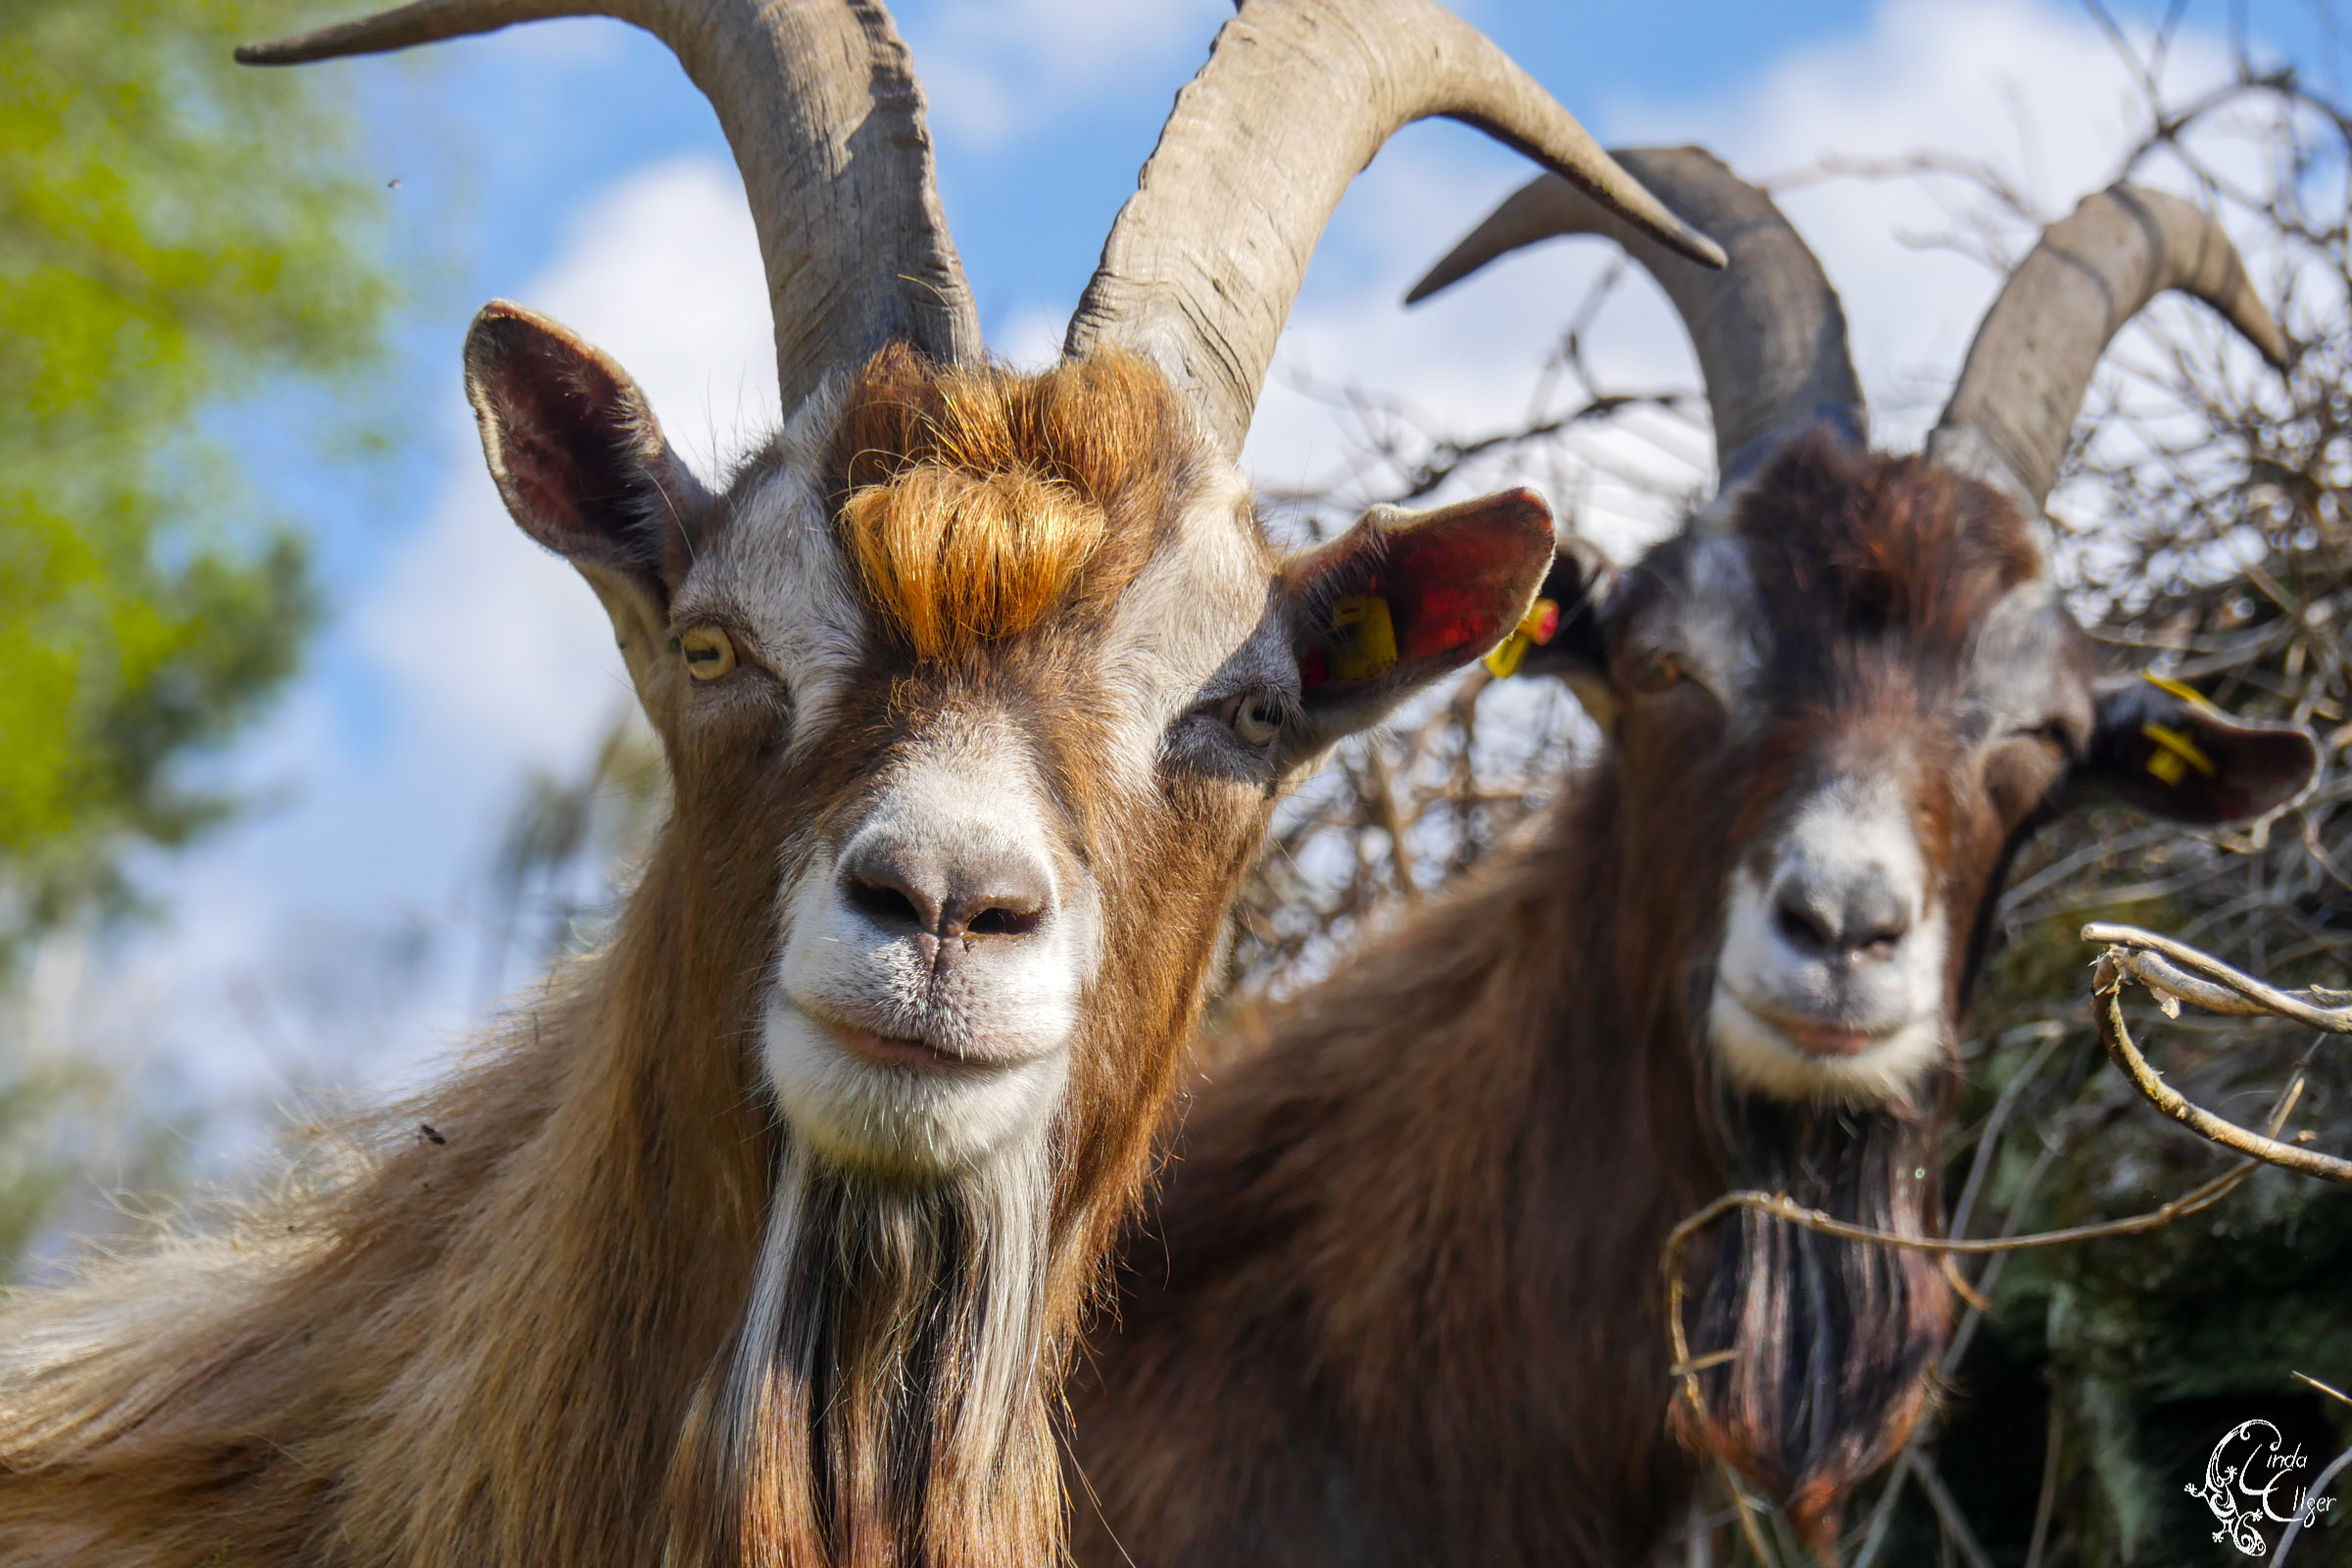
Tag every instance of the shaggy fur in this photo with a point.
(1399, 1301)
(610, 1314)
(976, 498)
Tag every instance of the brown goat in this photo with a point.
(1398, 1302)
(761, 1238)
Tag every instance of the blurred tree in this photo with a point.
(175, 232)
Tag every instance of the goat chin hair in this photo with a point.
(1831, 1339)
(880, 1404)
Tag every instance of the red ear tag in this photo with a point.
(1537, 627)
(1316, 670)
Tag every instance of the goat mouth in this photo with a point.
(1826, 1039)
(1818, 1037)
(882, 1050)
(878, 1049)
(1799, 1058)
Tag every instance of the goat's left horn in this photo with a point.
(822, 107)
(1205, 258)
(1769, 330)
(2027, 372)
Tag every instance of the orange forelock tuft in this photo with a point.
(974, 498)
(951, 556)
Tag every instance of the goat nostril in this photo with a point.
(1879, 942)
(1005, 912)
(1860, 923)
(965, 893)
(1876, 922)
(1000, 920)
(882, 903)
(1802, 928)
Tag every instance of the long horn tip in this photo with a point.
(1485, 244)
(294, 51)
(1697, 246)
(1441, 277)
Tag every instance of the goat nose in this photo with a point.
(979, 892)
(1854, 918)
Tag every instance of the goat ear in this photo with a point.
(576, 453)
(1402, 598)
(2168, 750)
(1581, 583)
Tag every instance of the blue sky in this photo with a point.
(333, 937)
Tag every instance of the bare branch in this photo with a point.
(2233, 994)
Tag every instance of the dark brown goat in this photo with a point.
(1399, 1303)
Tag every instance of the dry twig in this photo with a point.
(2176, 972)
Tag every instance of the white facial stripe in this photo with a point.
(1856, 827)
(964, 813)
(2018, 650)
(1199, 598)
(1716, 624)
(1835, 939)
(779, 561)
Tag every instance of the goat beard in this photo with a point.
(880, 1406)
(1832, 1339)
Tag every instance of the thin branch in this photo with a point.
(2329, 1389)
(2046, 1505)
(2235, 990)
(1948, 1514)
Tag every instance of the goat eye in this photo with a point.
(1656, 674)
(708, 652)
(1253, 718)
(2052, 735)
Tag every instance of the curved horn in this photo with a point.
(2027, 372)
(820, 104)
(1202, 267)
(1769, 330)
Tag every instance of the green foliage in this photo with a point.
(175, 233)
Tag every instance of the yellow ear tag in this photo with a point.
(2188, 694)
(2176, 753)
(1535, 628)
(1367, 645)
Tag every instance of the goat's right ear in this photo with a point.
(2166, 749)
(1582, 582)
(1403, 598)
(577, 455)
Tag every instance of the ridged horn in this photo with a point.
(820, 104)
(2014, 405)
(1206, 256)
(1768, 328)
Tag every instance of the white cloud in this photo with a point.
(485, 636)
(338, 936)
(996, 70)
(1032, 338)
